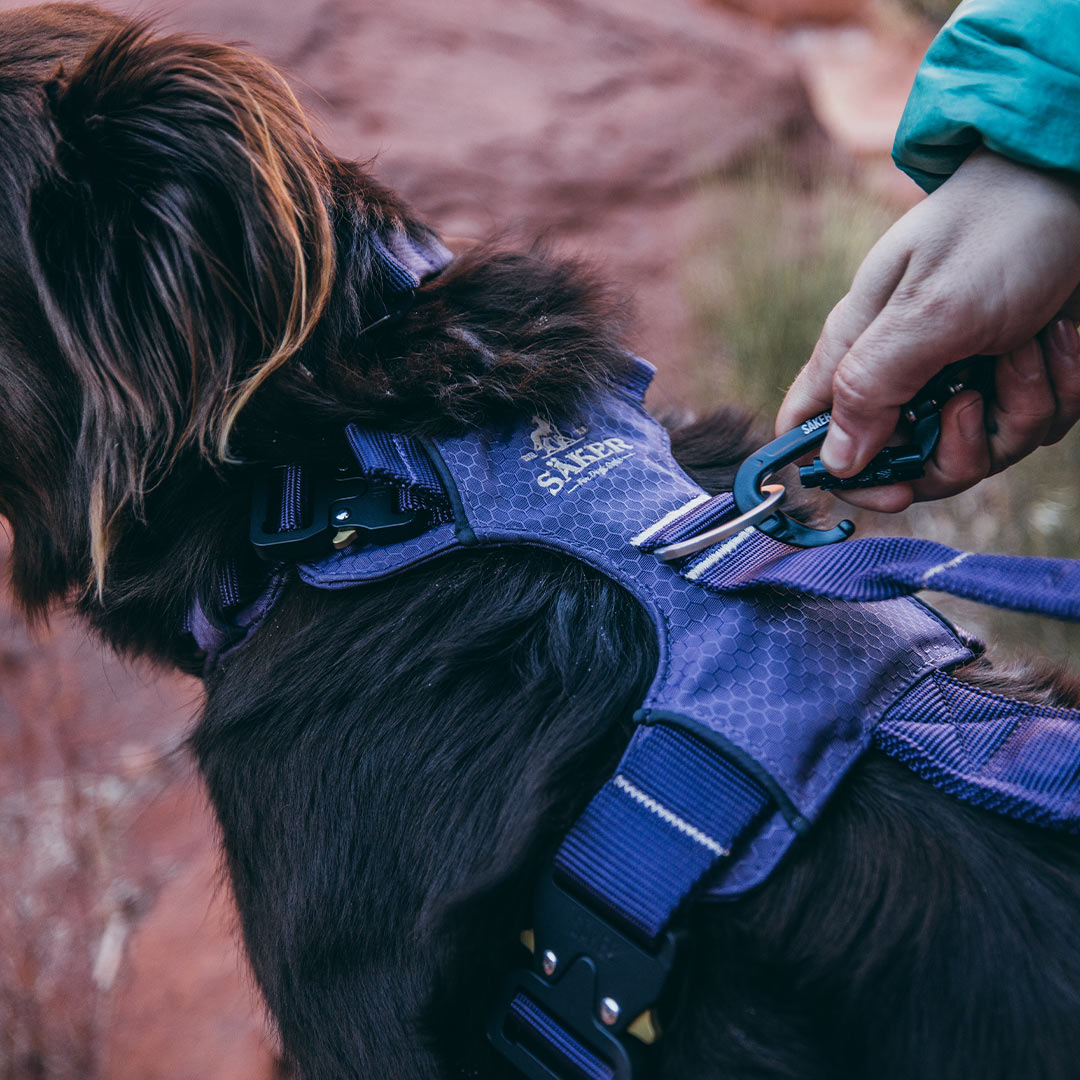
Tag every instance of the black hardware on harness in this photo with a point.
(334, 504)
(587, 985)
(892, 465)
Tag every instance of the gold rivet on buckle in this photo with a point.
(343, 538)
(646, 1028)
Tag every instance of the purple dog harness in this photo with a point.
(766, 693)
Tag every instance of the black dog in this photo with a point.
(186, 277)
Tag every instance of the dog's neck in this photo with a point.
(494, 334)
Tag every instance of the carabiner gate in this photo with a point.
(892, 465)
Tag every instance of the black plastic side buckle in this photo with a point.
(590, 979)
(337, 504)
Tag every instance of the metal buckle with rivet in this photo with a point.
(341, 508)
(593, 980)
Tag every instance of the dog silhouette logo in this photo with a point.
(547, 439)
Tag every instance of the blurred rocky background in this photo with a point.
(727, 162)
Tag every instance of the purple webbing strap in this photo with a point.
(1004, 755)
(558, 1042)
(637, 377)
(228, 584)
(672, 812)
(882, 567)
(407, 262)
(403, 462)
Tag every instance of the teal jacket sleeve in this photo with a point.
(1003, 74)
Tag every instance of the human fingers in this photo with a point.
(960, 460)
(1024, 406)
(891, 361)
(962, 455)
(1061, 350)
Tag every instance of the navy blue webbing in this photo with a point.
(399, 460)
(292, 514)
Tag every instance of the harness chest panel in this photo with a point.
(789, 686)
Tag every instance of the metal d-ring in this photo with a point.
(749, 494)
(701, 541)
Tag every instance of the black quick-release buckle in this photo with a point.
(340, 508)
(588, 978)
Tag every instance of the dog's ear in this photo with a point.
(183, 249)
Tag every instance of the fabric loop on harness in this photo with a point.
(403, 462)
(405, 262)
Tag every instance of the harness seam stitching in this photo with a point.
(669, 518)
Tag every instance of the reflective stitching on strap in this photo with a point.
(667, 519)
(941, 567)
(669, 816)
(722, 552)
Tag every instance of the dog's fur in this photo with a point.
(185, 276)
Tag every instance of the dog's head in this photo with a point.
(185, 278)
(166, 247)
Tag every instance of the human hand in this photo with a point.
(987, 264)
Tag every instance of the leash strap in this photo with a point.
(875, 568)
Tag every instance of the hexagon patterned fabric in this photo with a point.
(789, 686)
